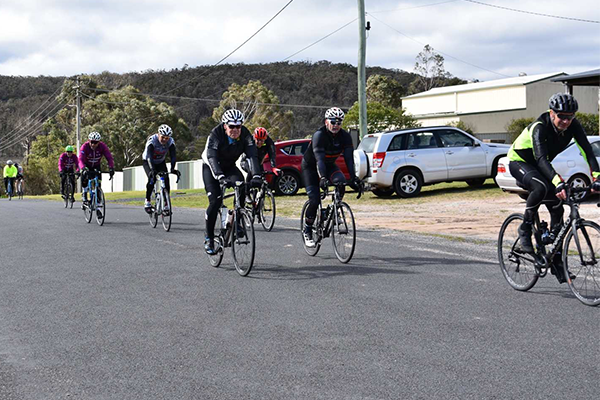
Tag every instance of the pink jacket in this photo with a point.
(91, 158)
(66, 163)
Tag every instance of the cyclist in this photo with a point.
(154, 156)
(264, 146)
(20, 177)
(9, 174)
(68, 163)
(319, 167)
(90, 155)
(530, 163)
(226, 142)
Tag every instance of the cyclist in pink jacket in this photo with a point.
(68, 163)
(90, 155)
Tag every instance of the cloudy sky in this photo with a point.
(68, 37)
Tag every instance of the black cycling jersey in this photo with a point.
(325, 148)
(541, 142)
(268, 147)
(222, 152)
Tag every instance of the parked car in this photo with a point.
(404, 161)
(569, 164)
(288, 156)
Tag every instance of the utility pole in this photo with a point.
(362, 80)
(78, 105)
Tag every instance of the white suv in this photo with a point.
(405, 160)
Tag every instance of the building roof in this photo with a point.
(587, 78)
(516, 81)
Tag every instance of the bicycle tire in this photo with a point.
(343, 235)
(581, 257)
(153, 214)
(311, 251)
(267, 210)
(166, 215)
(20, 190)
(9, 191)
(88, 209)
(243, 247)
(518, 269)
(67, 192)
(101, 207)
(215, 259)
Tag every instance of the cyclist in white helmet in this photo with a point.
(226, 143)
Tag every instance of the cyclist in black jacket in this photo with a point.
(319, 167)
(530, 163)
(226, 143)
(264, 146)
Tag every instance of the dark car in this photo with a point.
(289, 155)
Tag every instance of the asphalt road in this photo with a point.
(125, 311)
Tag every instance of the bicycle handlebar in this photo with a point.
(163, 173)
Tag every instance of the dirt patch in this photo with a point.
(472, 219)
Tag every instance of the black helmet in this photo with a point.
(563, 102)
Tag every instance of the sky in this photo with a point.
(483, 42)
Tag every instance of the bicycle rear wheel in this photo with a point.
(518, 268)
(100, 207)
(311, 251)
(266, 208)
(166, 210)
(343, 233)
(243, 246)
(580, 257)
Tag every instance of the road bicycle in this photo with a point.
(69, 190)
(579, 240)
(262, 207)
(96, 203)
(162, 202)
(19, 185)
(337, 221)
(234, 229)
(9, 189)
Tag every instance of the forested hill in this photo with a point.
(296, 84)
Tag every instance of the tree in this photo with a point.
(430, 71)
(516, 126)
(380, 118)
(260, 107)
(385, 90)
(589, 122)
(463, 126)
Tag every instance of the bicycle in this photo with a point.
(96, 202)
(336, 220)
(19, 184)
(9, 189)
(162, 202)
(580, 242)
(69, 190)
(262, 207)
(242, 243)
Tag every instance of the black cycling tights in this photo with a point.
(540, 190)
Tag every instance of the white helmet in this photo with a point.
(165, 130)
(233, 117)
(94, 136)
(9, 162)
(334, 112)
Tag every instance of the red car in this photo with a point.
(289, 155)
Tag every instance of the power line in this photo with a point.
(324, 37)
(441, 52)
(236, 49)
(533, 13)
(30, 122)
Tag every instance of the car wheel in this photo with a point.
(408, 183)
(383, 192)
(579, 180)
(475, 182)
(287, 183)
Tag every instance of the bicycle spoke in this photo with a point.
(581, 259)
(343, 233)
(518, 269)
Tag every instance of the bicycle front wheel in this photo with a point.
(166, 211)
(100, 207)
(243, 244)
(153, 214)
(311, 251)
(343, 233)
(88, 209)
(267, 210)
(67, 193)
(215, 259)
(518, 268)
(580, 257)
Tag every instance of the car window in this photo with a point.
(368, 144)
(452, 138)
(396, 143)
(421, 140)
(596, 148)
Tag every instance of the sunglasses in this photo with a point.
(94, 142)
(565, 117)
(234, 126)
(335, 122)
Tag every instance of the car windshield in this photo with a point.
(368, 143)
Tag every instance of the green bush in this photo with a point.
(516, 126)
